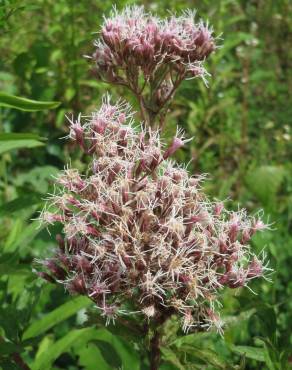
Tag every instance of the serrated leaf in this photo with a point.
(16, 102)
(206, 355)
(58, 315)
(254, 353)
(190, 339)
(170, 356)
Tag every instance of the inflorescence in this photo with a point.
(140, 235)
(152, 56)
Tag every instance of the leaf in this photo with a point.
(6, 348)
(190, 339)
(255, 353)
(25, 201)
(206, 355)
(9, 322)
(130, 359)
(267, 318)
(170, 356)
(11, 141)
(44, 346)
(46, 358)
(272, 355)
(38, 177)
(109, 354)
(16, 102)
(90, 356)
(7, 269)
(58, 315)
(77, 337)
(264, 182)
(27, 233)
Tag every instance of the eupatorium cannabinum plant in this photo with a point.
(140, 237)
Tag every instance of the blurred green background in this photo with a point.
(242, 132)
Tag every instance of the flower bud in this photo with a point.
(175, 145)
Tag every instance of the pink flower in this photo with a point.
(138, 227)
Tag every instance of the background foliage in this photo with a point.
(242, 137)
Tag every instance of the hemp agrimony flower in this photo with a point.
(139, 234)
(152, 56)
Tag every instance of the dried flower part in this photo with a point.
(139, 50)
(137, 228)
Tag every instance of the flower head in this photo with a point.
(146, 53)
(137, 228)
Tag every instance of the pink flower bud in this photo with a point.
(77, 285)
(233, 230)
(255, 269)
(246, 235)
(78, 134)
(258, 225)
(218, 208)
(57, 271)
(174, 146)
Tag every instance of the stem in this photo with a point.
(154, 355)
(19, 361)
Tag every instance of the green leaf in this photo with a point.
(38, 177)
(9, 269)
(264, 182)
(43, 347)
(206, 355)
(170, 356)
(268, 320)
(190, 339)
(46, 358)
(7, 348)
(272, 355)
(10, 141)
(16, 102)
(109, 354)
(254, 353)
(129, 357)
(90, 356)
(22, 236)
(78, 337)
(9, 321)
(58, 315)
(25, 201)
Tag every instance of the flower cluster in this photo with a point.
(139, 233)
(163, 52)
